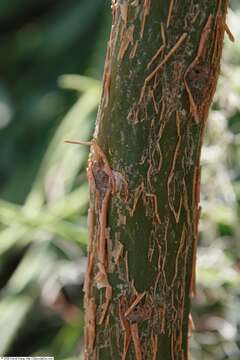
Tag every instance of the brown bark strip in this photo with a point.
(134, 50)
(103, 226)
(229, 33)
(180, 253)
(125, 327)
(91, 224)
(163, 62)
(172, 173)
(135, 303)
(194, 262)
(160, 50)
(136, 341)
(124, 12)
(163, 34)
(167, 57)
(154, 340)
(198, 60)
(146, 10)
(171, 6)
(90, 334)
(127, 39)
(108, 298)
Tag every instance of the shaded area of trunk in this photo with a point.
(160, 76)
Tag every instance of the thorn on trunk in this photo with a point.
(78, 142)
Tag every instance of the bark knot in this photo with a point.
(199, 81)
(101, 178)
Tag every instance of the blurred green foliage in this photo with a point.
(44, 197)
(44, 193)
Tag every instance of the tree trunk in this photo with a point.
(162, 65)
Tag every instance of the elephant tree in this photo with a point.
(161, 70)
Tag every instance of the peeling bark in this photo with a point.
(161, 70)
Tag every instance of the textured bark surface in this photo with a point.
(161, 70)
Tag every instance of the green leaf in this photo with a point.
(62, 161)
(13, 311)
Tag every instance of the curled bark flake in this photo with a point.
(104, 185)
(200, 77)
(108, 298)
(162, 63)
(118, 252)
(90, 334)
(121, 186)
(202, 47)
(134, 50)
(102, 282)
(126, 343)
(101, 278)
(163, 34)
(220, 28)
(152, 244)
(123, 10)
(170, 10)
(136, 341)
(191, 325)
(107, 70)
(136, 196)
(88, 274)
(133, 115)
(155, 105)
(162, 318)
(229, 33)
(99, 155)
(126, 266)
(196, 186)
(167, 56)
(157, 54)
(91, 258)
(134, 304)
(164, 256)
(124, 325)
(154, 346)
(176, 351)
(103, 225)
(171, 178)
(160, 157)
(154, 199)
(194, 255)
(126, 40)
(146, 11)
(180, 253)
(186, 204)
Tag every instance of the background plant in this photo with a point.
(43, 188)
